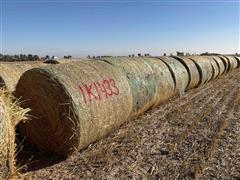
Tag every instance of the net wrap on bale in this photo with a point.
(78, 102)
(141, 79)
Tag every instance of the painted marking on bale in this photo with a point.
(104, 89)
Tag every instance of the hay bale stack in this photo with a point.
(180, 73)
(204, 67)
(10, 115)
(220, 64)
(141, 79)
(78, 102)
(193, 73)
(163, 78)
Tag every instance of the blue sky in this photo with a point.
(117, 27)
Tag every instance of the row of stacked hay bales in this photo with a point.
(75, 104)
(10, 115)
(83, 101)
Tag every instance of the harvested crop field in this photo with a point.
(193, 136)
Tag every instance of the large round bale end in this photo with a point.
(163, 78)
(192, 71)
(10, 115)
(73, 104)
(215, 66)
(204, 67)
(141, 79)
(179, 72)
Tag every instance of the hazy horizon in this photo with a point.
(81, 28)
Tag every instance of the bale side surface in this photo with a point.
(141, 80)
(205, 69)
(74, 104)
(214, 64)
(238, 60)
(180, 73)
(192, 71)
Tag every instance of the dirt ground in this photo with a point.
(193, 136)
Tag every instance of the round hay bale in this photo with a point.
(10, 72)
(180, 73)
(215, 67)
(141, 80)
(163, 79)
(204, 67)
(192, 71)
(73, 104)
(219, 63)
(10, 115)
(226, 63)
(233, 62)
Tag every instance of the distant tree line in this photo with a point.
(20, 57)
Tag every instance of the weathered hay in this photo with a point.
(73, 104)
(180, 73)
(233, 62)
(10, 72)
(163, 78)
(219, 63)
(10, 115)
(226, 63)
(204, 67)
(192, 71)
(141, 79)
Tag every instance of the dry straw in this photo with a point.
(192, 71)
(180, 73)
(204, 67)
(141, 79)
(10, 115)
(73, 104)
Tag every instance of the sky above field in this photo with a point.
(116, 27)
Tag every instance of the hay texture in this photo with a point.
(180, 73)
(73, 104)
(193, 73)
(238, 60)
(216, 70)
(10, 115)
(204, 67)
(141, 79)
(10, 72)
